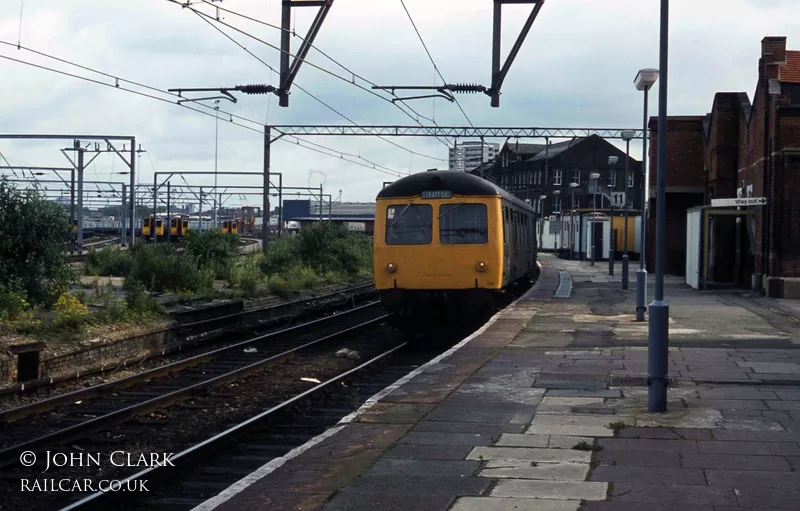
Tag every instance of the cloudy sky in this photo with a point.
(575, 70)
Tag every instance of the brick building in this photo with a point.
(531, 171)
(741, 149)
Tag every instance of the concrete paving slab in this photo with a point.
(459, 409)
(570, 401)
(401, 467)
(776, 498)
(419, 437)
(566, 490)
(601, 393)
(686, 497)
(650, 475)
(429, 452)
(576, 431)
(512, 504)
(773, 367)
(511, 440)
(639, 458)
(396, 413)
(759, 448)
(752, 478)
(493, 429)
(544, 471)
(567, 442)
(529, 454)
(580, 420)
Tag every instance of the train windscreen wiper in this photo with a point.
(403, 212)
(451, 210)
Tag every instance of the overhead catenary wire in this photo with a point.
(435, 67)
(302, 143)
(314, 97)
(321, 52)
(324, 70)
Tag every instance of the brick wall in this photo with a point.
(685, 151)
(722, 152)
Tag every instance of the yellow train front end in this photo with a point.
(438, 247)
(423, 244)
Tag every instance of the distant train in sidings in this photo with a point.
(447, 242)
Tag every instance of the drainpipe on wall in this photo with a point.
(765, 184)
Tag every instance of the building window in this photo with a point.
(505, 160)
(576, 176)
(556, 205)
(557, 177)
(530, 177)
(612, 179)
(631, 180)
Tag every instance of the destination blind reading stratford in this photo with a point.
(436, 194)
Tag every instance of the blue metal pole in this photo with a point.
(625, 236)
(658, 327)
(641, 274)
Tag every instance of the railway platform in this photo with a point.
(544, 409)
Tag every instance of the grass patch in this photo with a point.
(617, 426)
(583, 445)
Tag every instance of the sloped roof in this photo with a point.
(520, 148)
(790, 72)
(556, 149)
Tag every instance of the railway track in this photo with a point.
(189, 335)
(74, 416)
(203, 469)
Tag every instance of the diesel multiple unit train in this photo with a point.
(447, 242)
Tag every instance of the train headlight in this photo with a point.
(391, 267)
(481, 266)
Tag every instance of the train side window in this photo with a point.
(463, 224)
(409, 224)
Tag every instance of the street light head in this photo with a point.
(574, 185)
(594, 175)
(646, 78)
(627, 135)
(612, 160)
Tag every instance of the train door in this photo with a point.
(506, 239)
(597, 236)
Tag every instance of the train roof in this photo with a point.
(460, 183)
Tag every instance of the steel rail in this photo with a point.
(80, 430)
(6, 415)
(209, 443)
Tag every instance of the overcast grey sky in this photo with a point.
(575, 70)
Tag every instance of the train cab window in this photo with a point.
(146, 222)
(409, 224)
(463, 224)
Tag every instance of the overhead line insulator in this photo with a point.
(466, 88)
(256, 89)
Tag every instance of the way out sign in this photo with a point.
(742, 201)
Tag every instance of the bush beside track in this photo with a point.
(205, 266)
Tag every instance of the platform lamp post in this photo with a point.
(572, 185)
(556, 194)
(593, 177)
(645, 79)
(612, 187)
(541, 216)
(658, 325)
(627, 135)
